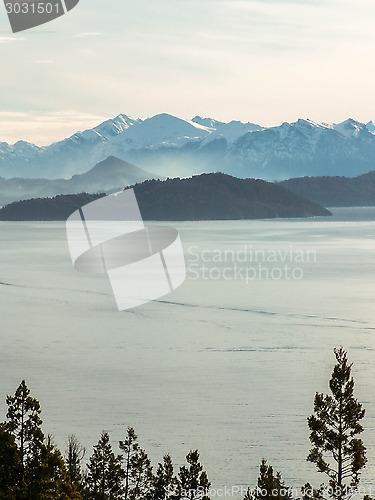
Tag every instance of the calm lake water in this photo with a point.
(229, 363)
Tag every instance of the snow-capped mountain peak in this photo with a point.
(172, 146)
(230, 132)
(115, 126)
(350, 128)
(160, 130)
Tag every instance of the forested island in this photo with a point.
(202, 197)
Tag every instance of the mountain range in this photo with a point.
(203, 197)
(169, 146)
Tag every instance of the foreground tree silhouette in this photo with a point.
(74, 455)
(24, 423)
(34, 469)
(137, 468)
(54, 482)
(104, 472)
(10, 464)
(336, 451)
(165, 483)
(269, 485)
(192, 480)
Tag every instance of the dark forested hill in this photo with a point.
(46, 209)
(336, 191)
(220, 196)
(203, 197)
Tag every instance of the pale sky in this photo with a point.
(263, 61)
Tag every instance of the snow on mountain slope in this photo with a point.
(371, 127)
(78, 153)
(116, 126)
(351, 128)
(207, 122)
(303, 148)
(175, 147)
(160, 130)
(20, 149)
(230, 132)
(99, 134)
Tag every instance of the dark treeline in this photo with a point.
(202, 197)
(33, 468)
(46, 209)
(336, 191)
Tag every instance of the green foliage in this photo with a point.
(50, 480)
(24, 422)
(137, 468)
(74, 455)
(105, 473)
(192, 479)
(31, 467)
(165, 483)
(269, 485)
(310, 493)
(10, 464)
(336, 451)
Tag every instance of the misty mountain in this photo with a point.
(336, 191)
(204, 197)
(109, 175)
(173, 147)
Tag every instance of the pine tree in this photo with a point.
(50, 480)
(165, 484)
(310, 493)
(24, 423)
(269, 485)
(105, 473)
(336, 451)
(40, 472)
(137, 468)
(192, 480)
(10, 464)
(74, 455)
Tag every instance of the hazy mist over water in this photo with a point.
(226, 364)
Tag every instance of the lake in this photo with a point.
(228, 363)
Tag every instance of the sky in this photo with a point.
(263, 61)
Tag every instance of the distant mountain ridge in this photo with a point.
(202, 197)
(173, 147)
(109, 175)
